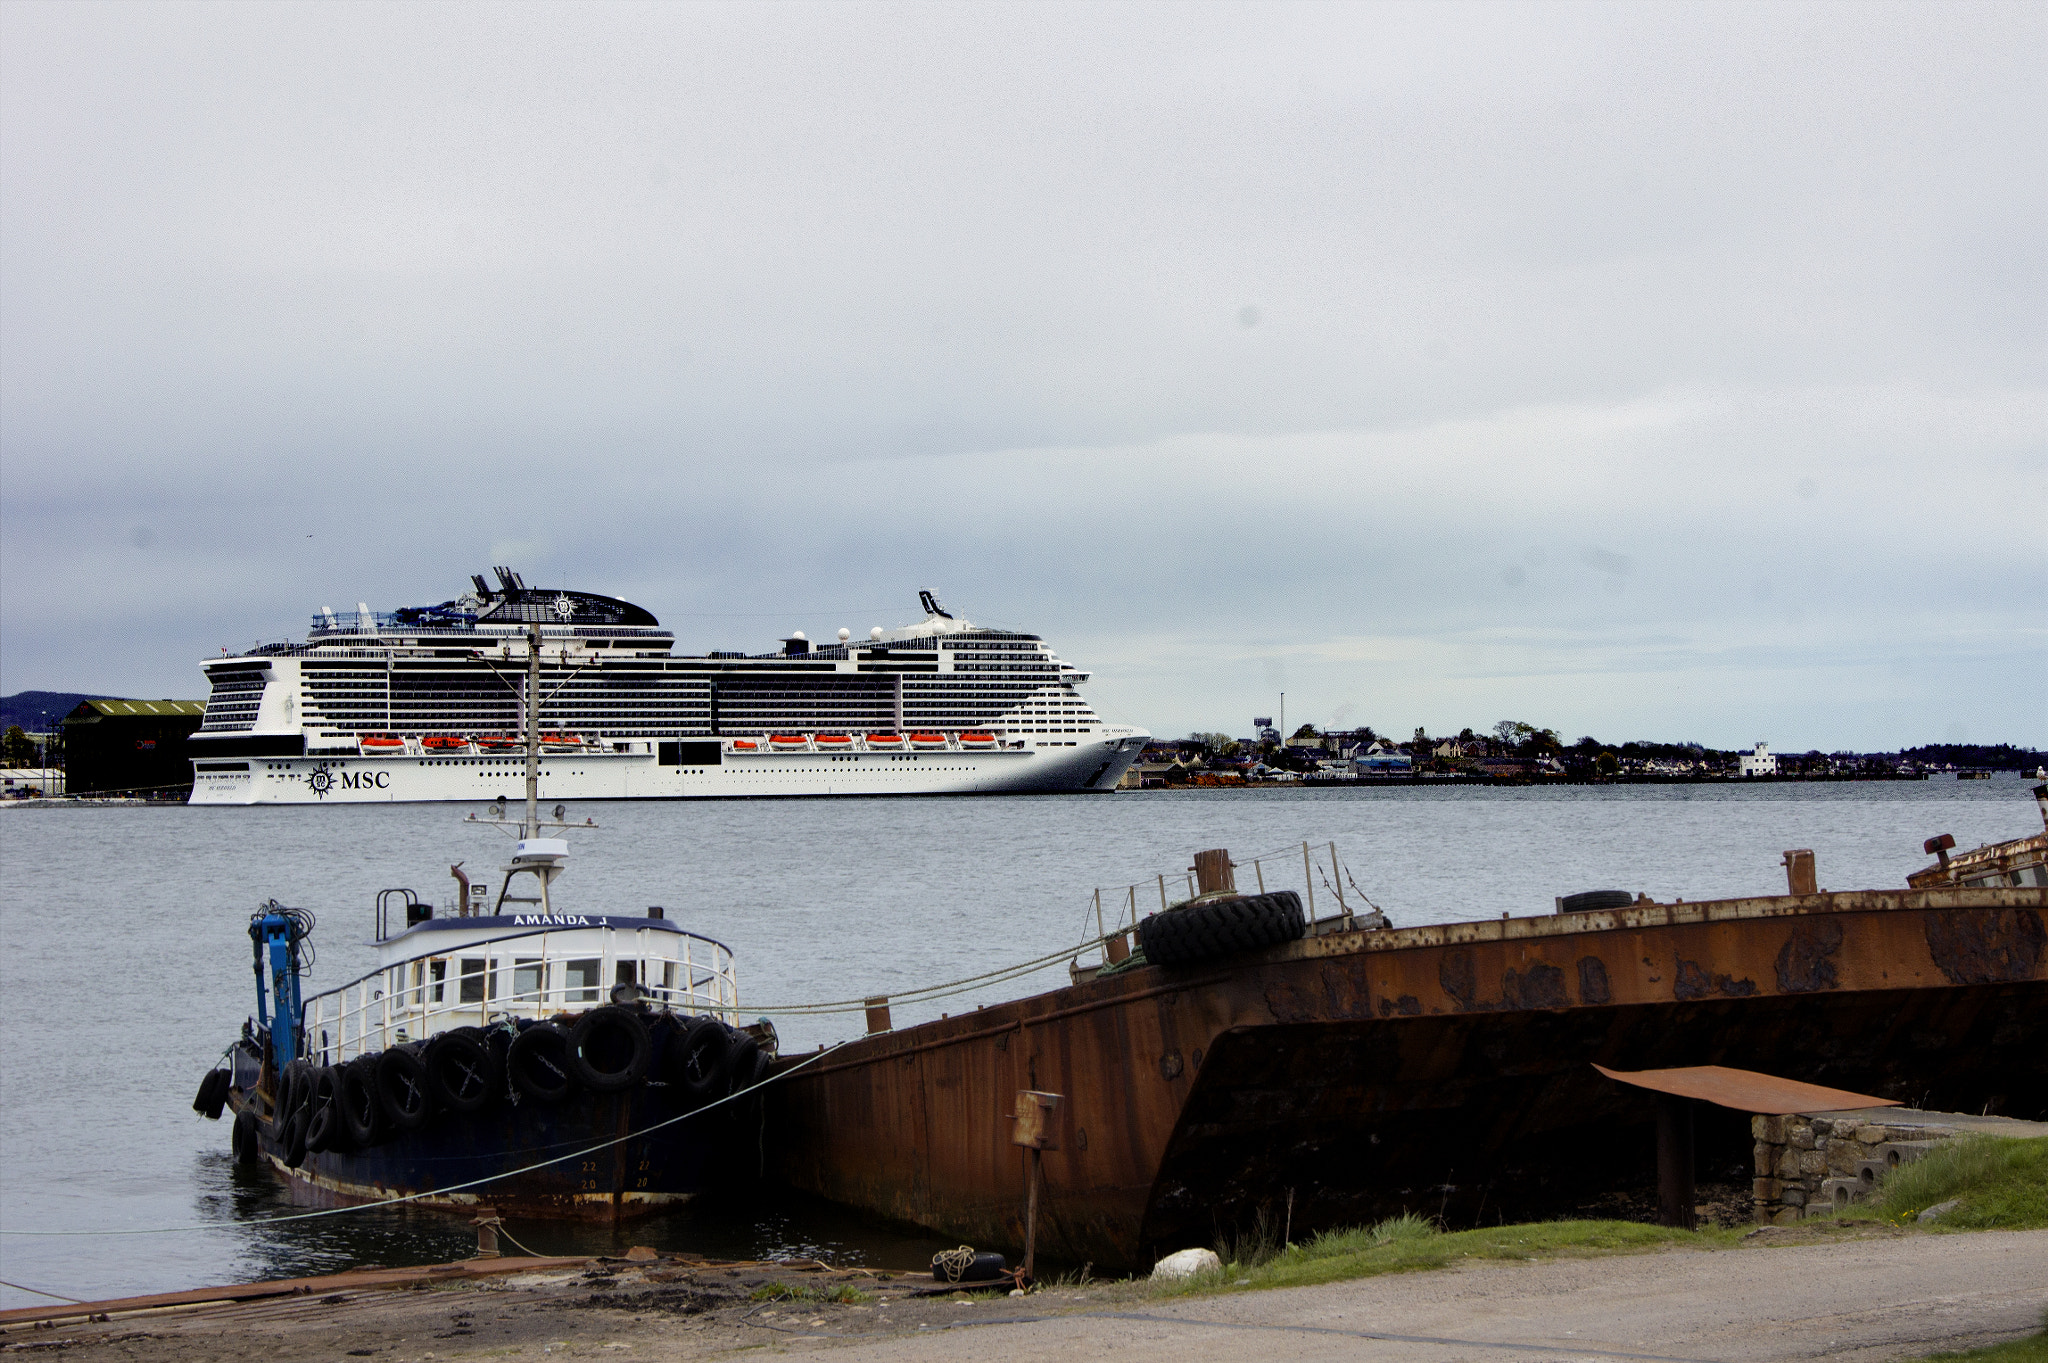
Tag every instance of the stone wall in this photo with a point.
(1814, 1164)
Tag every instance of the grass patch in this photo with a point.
(1408, 1244)
(846, 1294)
(2001, 1181)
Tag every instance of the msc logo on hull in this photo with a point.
(320, 780)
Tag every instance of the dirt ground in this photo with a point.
(1782, 1295)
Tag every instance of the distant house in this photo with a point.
(1762, 762)
(1382, 761)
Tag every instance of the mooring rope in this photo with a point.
(38, 1292)
(453, 1188)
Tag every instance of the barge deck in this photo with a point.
(1446, 1070)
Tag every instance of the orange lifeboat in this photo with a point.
(444, 743)
(788, 742)
(927, 740)
(497, 743)
(381, 743)
(885, 740)
(977, 740)
(745, 745)
(834, 741)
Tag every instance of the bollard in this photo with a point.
(487, 1223)
(1799, 872)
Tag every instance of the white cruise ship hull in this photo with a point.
(1094, 763)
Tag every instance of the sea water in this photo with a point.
(126, 963)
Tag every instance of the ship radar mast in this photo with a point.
(533, 854)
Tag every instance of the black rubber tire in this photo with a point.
(213, 1095)
(462, 1075)
(1222, 927)
(290, 1097)
(362, 1115)
(1588, 900)
(742, 1061)
(692, 1060)
(245, 1138)
(325, 1129)
(609, 1049)
(292, 1145)
(402, 1088)
(541, 1064)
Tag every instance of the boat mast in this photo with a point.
(531, 827)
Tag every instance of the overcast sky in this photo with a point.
(1640, 370)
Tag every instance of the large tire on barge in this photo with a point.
(1221, 927)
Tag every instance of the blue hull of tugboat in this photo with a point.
(634, 1178)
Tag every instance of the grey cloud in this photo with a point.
(1215, 327)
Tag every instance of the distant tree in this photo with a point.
(1305, 731)
(15, 748)
(1421, 738)
(1216, 745)
(1607, 764)
(1513, 733)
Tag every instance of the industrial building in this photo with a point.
(130, 747)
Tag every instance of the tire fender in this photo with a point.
(461, 1073)
(540, 1063)
(609, 1049)
(401, 1079)
(693, 1058)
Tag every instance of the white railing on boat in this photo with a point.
(533, 974)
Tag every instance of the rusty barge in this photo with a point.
(1356, 1073)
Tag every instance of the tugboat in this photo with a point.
(488, 1044)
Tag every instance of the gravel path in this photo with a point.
(1880, 1296)
(1863, 1299)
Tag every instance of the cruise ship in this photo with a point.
(424, 703)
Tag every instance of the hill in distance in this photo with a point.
(38, 711)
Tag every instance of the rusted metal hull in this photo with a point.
(652, 1173)
(1355, 1074)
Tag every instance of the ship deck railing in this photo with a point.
(540, 973)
